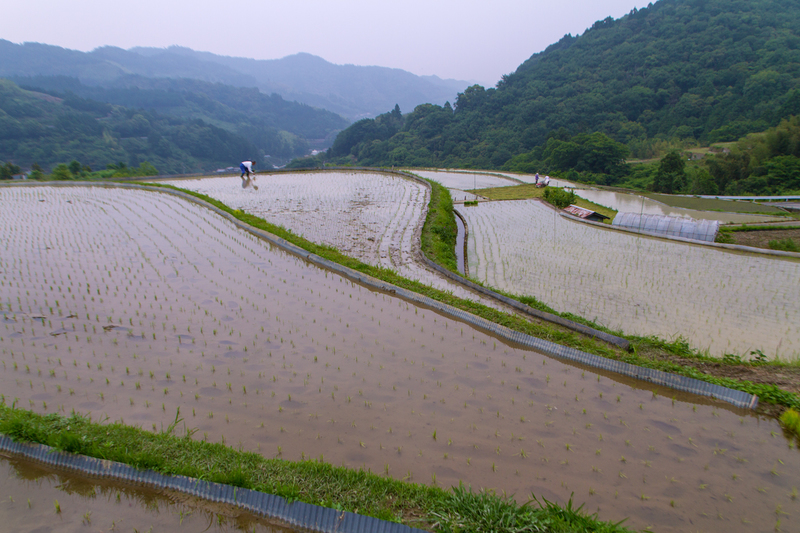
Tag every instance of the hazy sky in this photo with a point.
(466, 40)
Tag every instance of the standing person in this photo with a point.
(536, 179)
(247, 168)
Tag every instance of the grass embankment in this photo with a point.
(312, 481)
(527, 191)
(439, 233)
(758, 377)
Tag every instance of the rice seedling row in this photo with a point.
(475, 179)
(374, 217)
(371, 214)
(640, 285)
(160, 307)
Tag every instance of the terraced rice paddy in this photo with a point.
(132, 305)
(374, 217)
(476, 179)
(35, 500)
(720, 301)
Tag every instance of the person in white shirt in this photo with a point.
(247, 168)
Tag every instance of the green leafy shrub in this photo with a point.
(559, 197)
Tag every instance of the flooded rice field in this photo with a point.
(36, 499)
(466, 180)
(477, 179)
(131, 305)
(633, 203)
(720, 301)
(374, 217)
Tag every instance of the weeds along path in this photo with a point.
(721, 301)
(131, 305)
(372, 216)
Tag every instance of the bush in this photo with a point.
(791, 421)
(559, 197)
(786, 245)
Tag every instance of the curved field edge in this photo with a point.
(311, 481)
(675, 357)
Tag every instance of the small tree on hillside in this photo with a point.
(671, 174)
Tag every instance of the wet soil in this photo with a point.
(202, 314)
(760, 239)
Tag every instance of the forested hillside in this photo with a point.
(37, 128)
(279, 128)
(186, 125)
(677, 73)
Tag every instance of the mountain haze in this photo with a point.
(348, 90)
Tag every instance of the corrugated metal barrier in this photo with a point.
(297, 514)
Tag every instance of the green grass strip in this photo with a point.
(440, 232)
(311, 481)
(745, 227)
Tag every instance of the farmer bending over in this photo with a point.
(247, 168)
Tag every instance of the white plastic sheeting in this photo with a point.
(700, 230)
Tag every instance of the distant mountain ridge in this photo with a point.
(348, 90)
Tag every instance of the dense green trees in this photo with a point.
(676, 73)
(35, 127)
(594, 156)
(194, 111)
(7, 170)
(671, 174)
(762, 163)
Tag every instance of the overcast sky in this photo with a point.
(466, 40)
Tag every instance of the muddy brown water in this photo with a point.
(36, 499)
(130, 305)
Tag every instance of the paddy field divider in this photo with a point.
(304, 516)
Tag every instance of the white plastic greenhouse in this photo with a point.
(688, 228)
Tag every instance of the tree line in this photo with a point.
(676, 74)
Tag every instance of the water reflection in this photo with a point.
(634, 203)
(36, 498)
